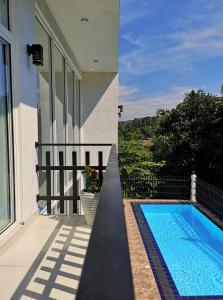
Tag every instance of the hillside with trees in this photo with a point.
(177, 141)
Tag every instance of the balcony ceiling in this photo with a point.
(96, 40)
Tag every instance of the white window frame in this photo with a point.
(55, 42)
(7, 35)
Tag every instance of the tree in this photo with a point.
(190, 137)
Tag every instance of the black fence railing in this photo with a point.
(210, 197)
(61, 167)
(107, 273)
(157, 187)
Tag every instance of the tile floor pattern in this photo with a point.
(143, 279)
(45, 260)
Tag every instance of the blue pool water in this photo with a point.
(191, 246)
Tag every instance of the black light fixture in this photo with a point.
(120, 108)
(36, 50)
(84, 20)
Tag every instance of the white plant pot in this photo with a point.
(89, 202)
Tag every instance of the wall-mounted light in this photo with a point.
(36, 50)
(84, 20)
(120, 108)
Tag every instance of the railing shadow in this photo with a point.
(56, 274)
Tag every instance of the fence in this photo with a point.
(210, 197)
(62, 167)
(157, 187)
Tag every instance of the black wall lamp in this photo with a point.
(36, 50)
(120, 108)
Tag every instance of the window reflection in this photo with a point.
(45, 102)
(5, 137)
(4, 15)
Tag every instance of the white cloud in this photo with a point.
(191, 39)
(133, 10)
(132, 16)
(132, 39)
(127, 92)
(175, 50)
(142, 107)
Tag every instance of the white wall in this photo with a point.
(99, 113)
(99, 109)
(25, 112)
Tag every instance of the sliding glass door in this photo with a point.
(6, 157)
(45, 113)
(58, 107)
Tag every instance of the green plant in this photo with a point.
(92, 180)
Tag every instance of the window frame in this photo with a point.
(8, 27)
(55, 43)
(6, 36)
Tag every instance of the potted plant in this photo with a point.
(90, 195)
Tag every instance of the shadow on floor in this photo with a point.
(55, 272)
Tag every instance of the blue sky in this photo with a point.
(167, 48)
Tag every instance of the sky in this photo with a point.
(168, 48)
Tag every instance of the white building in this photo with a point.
(72, 98)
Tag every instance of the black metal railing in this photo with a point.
(210, 197)
(107, 273)
(50, 167)
(157, 187)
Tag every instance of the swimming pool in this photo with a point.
(185, 249)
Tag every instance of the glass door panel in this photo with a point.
(76, 110)
(45, 130)
(59, 96)
(4, 14)
(59, 102)
(70, 116)
(6, 202)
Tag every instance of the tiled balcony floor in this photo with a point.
(45, 260)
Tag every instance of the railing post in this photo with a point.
(87, 158)
(61, 172)
(193, 187)
(74, 162)
(100, 165)
(48, 181)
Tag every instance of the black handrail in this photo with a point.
(107, 273)
(37, 144)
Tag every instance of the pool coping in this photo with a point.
(164, 280)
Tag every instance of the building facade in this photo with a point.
(71, 98)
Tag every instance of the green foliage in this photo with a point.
(178, 141)
(135, 159)
(190, 137)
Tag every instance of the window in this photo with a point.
(70, 115)
(70, 105)
(6, 174)
(58, 105)
(45, 124)
(4, 15)
(59, 96)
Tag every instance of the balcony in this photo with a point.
(46, 258)
(57, 256)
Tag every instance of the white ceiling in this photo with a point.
(97, 39)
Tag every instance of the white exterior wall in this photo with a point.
(99, 111)
(25, 108)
